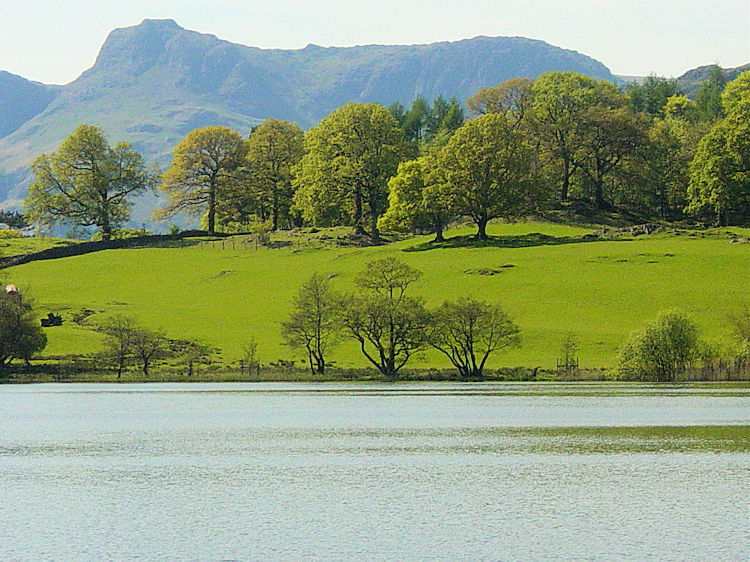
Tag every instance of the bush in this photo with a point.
(661, 350)
(123, 233)
(10, 233)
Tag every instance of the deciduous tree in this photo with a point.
(314, 321)
(349, 158)
(468, 331)
(20, 334)
(661, 350)
(87, 182)
(273, 149)
(491, 170)
(511, 98)
(204, 169)
(389, 325)
(720, 171)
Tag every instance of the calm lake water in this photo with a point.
(372, 471)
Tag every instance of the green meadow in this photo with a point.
(547, 276)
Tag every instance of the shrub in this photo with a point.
(661, 350)
(10, 233)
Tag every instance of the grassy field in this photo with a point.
(548, 278)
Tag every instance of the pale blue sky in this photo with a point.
(53, 41)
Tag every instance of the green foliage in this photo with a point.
(651, 96)
(8, 233)
(708, 99)
(511, 98)
(389, 326)
(491, 170)
(559, 101)
(720, 171)
(418, 199)
(204, 171)
(314, 321)
(468, 331)
(661, 350)
(608, 139)
(20, 334)
(87, 182)
(273, 149)
(121, 233)
(349, 158)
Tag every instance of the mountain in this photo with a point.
(20, 100)
(690, 82)
(154, 82)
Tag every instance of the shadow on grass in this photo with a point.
(519, 241)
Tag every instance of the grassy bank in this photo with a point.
(551, 278)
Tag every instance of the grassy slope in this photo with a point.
(600, 290)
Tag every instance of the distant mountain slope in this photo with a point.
(20, 100)
(154, 82)
(690, 82)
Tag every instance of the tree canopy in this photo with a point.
(349, 158)
(204, 169)
(86, 182)
(20, 334)
(491, 170)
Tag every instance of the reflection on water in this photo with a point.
(290, 471)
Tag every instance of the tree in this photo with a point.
(119, 346)
(273, 149)
(87, 182)
(661, 350)
(349, 158)
(607, 138)
(708, 97)
(389, 326)
(418, 199)
(149, 346)
(720, 172)
(558, 101)
(511, 98)
(468, 331)
(491, 170)
(20, 334)
(650, 97)
(416, 119)
(204, 169)
(192, 353)
(314, 321)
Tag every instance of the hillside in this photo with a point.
(690, 82)
(550, 278)
(154, 82)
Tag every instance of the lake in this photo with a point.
(484, 471)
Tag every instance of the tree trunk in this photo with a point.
(439, 233)
(599, 195)
(212, 209)
(481, 229)
(358, 228)
(565, 180)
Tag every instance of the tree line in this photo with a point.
(530, 145)
(391, 326)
